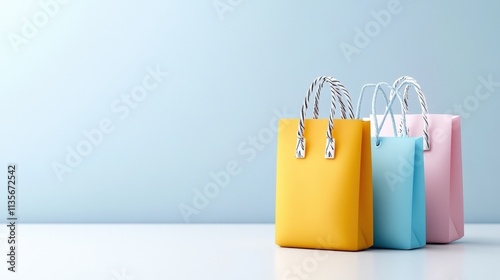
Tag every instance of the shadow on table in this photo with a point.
(432, 262)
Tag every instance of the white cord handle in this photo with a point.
(386, 97)
(388, 109)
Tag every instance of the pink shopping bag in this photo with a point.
(443, 167)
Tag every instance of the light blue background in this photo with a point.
(227, 78)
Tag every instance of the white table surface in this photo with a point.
(162, 251)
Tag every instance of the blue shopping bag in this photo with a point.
(398, 181)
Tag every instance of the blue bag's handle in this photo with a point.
(386, 97)
(388, 109)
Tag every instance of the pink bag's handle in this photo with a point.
(407, 82)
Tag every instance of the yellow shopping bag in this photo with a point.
(324, 184)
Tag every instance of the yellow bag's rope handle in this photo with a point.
(335, 86)
(407, 82)
(300, 149)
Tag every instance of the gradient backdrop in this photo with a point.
(68, 68)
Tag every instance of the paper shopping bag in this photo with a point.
(443, 167)
(398, 183)
(323, 180)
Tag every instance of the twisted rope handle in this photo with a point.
(330, 143)
(337, 87)
(407, 82)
